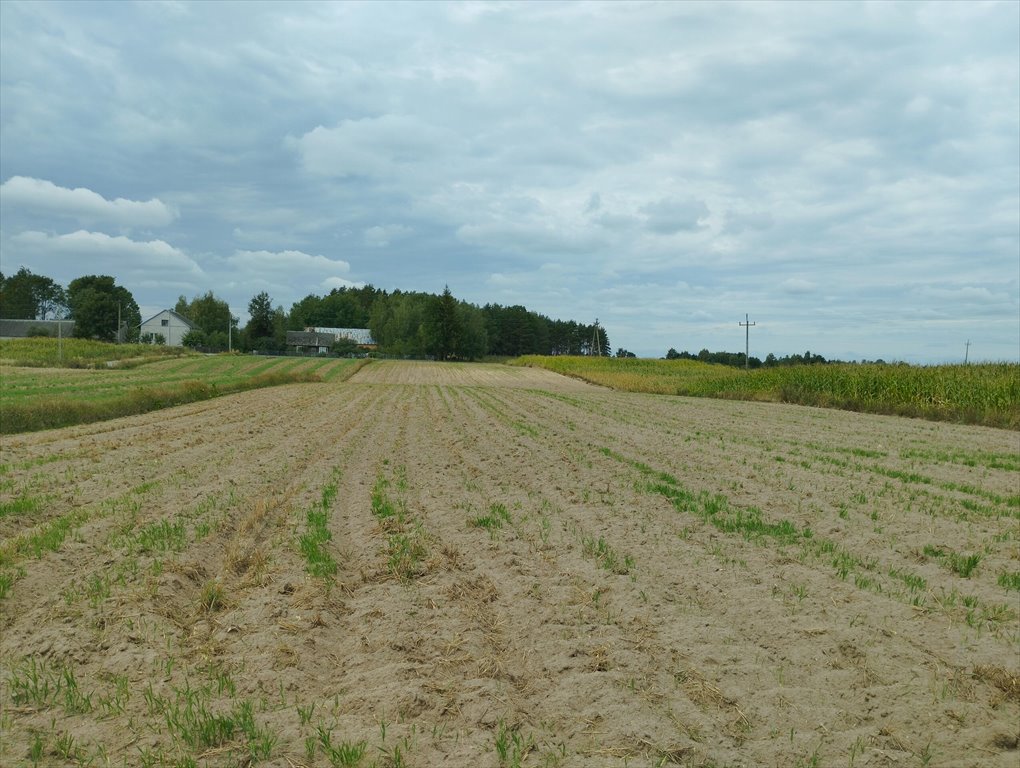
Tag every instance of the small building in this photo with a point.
(23, 329)
(309, 342)
(360, 336)
(168, 324)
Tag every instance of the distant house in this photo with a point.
(309, 342)
(313, 341)
(22, 329)
(360, 336)
(168, 324)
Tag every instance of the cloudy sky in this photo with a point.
(847, 174)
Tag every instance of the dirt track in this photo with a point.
(611, 619)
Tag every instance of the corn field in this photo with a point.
(986, 394)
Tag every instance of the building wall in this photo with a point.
(169, 325)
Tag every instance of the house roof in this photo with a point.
(357, 335)
(309, 339)
(179, 316)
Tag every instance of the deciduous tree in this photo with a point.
(26, 296)
(97, 303)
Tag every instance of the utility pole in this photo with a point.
(230, 331)
(596, 340)
(747, 341)
(966, 353)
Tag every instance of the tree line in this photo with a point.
(402, 323)
(417, 324)
(100, 308)
(736, 359)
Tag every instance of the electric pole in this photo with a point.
(747, 341)
(966, 353)
(596, 340)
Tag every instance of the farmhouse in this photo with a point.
(168, 324)
(21, 329)
(313, 341)
(309, 342)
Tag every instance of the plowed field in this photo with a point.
(471, 565)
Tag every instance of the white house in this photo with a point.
(168, 324)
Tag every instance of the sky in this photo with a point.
(845, 175)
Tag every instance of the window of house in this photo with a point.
(164, 321)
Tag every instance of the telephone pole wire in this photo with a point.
(747, 341)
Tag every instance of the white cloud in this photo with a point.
(39, 195)
(287, 263)
(331, 283)
(372, 146)
(97, 252)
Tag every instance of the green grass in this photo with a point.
(600, 551)
(314, 542)
(41, 685)
(961, 565)
(34, 399)
(406, 540)
(80, 353)
(1010, 580)
(22, 505)
(498, 515)
(342, 755)
(987, 394)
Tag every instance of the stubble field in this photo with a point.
(468, 565)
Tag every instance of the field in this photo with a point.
(80, 353)
(36, 398)
(986, 393)
(473, 565)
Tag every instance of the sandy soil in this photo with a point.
(530, 571)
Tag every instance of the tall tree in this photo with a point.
(442, 326)
(26, 296)
(97, 303)
(259, 333)
(260, 311)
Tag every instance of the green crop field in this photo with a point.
(987, 394)
(33, 398)
(81, 353)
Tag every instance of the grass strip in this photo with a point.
(315, 541)
(54, 412)
(83, 353)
